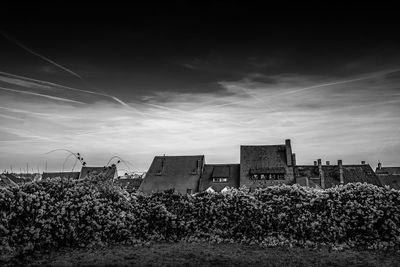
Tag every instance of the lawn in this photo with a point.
(205, 254)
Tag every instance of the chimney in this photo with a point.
(339, 163)
(315, 163)
(321, 174)
(363, 162)
(328, 163)
(288, 152)
(294, 159)
(379, 165)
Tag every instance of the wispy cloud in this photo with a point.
(326, 118)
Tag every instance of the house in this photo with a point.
(327, 175)
(216, 177)
(108, 171)
(266, 165)
(388, 176)
(65, 175)
(181, 173)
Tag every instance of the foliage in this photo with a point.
(55, 213)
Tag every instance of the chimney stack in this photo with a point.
(288, 152)
(294, 159)
(339, 162)
(379, 165)
(363, 162)
(321, 174)
(315, 163)
(328, 163)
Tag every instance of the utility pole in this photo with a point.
(27, 168)
(11, 168)
(46, 167)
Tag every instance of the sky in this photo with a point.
(176, 78)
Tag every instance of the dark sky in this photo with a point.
(175, 61)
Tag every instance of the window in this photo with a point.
(220, 179)
(268, 176)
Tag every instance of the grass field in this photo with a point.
(205, 254)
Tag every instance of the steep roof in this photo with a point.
(264, 156)
(230, 171)
(68, 175)
(388, 170)
(129, 184)
(110, 171)
(351, 174)
(178, 172)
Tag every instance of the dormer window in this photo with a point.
(220, 179)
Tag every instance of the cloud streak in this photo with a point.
(346, 120)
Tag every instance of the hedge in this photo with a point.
(56, 213)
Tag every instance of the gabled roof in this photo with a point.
(230, 171)
(67, 175)
(110, 172)
(177, 172)
(351, 174)
(264, 155)
(388, 170)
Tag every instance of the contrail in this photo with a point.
(59, 66)
(42, 95)
(11, 117)
(39, 55)
(339, 82)
(47, 83)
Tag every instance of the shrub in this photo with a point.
(56, 213)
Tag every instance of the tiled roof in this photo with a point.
(388, 170)
(230, 171)
(351, 174)
(68, 175)
(110, 172)
(268, 170)
(264, 156)
(173, 172)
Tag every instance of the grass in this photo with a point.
(205, 254)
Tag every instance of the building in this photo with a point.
(326, 175)
(181, 173)
(388, 176)
(260, 166)
(216, 177)
(109, 172)
(266, 165)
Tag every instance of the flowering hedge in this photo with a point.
(47, 214)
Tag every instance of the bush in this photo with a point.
(47, 214)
